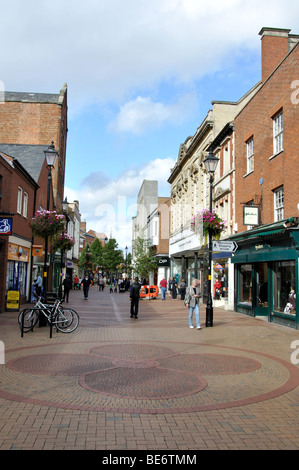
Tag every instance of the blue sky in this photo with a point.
(141, 76)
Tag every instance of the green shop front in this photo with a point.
(266, 272)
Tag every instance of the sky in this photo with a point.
(141, 76)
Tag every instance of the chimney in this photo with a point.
(275, 46)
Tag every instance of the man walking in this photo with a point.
(86, 284)
(67, 284)
(134, 296)
(38, 285)
(163, 287)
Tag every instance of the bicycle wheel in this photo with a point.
(66, 320)
(30, 319)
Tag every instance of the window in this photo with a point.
(20, 198)
(250, 155)
(278, 204)
(245, 285)
(278, 133)
(284, 287)
(25, 205)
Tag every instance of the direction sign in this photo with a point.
(224, 245)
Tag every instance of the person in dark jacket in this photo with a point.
(86, 284)
(67, 285)
(134, 296)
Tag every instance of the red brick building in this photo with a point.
(29, 123)
(17, 198)
(267, 134)
(267, 186)
(38, 119)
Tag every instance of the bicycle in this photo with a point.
(65, 320)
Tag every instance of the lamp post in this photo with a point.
(210, 163)
(65, 205)
(51, 155)
(126, 260)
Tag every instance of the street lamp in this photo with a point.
(51, 155)
(65, 205)
(211, 163)
(126, 260)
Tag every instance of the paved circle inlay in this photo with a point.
(146, 378)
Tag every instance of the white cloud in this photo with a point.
(108, 50)
(109, 205)
(144, 114)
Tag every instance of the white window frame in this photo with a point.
(278, 204)
(25, 204)
(278, 133)
(20, 200)
(250, 155)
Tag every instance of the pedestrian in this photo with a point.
(183, 289)
(67, 285)
(163, 287)
(173, 288)
(76, 282)
(111, 288)
(134, 296)
(101, 284)
(38, 285)
(86, 284)
(192, 297)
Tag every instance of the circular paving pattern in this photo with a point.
(145, 378)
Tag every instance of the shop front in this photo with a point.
(17, 272)
(266, 272)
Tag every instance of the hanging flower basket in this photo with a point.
(204, 220)
(64, 242)
(47, 223)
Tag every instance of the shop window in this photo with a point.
(16, 276)
(220, 282)
(284, 287)
(245, 284)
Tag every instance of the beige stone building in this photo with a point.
(190, 188)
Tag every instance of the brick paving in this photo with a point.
(149, 384)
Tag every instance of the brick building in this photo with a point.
(267, 186)
(17, 198)
(38, 119)
(29, 122)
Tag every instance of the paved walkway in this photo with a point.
(149, 384)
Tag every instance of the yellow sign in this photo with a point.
(13, 300)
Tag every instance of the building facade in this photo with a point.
(17, 198)
(29, 123)
(267, 186)
(190, 188)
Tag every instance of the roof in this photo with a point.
(31, 157)
(31, 97)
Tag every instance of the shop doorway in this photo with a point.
(260, 289)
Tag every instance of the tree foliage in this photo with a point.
(144, 259)
(112, 256)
